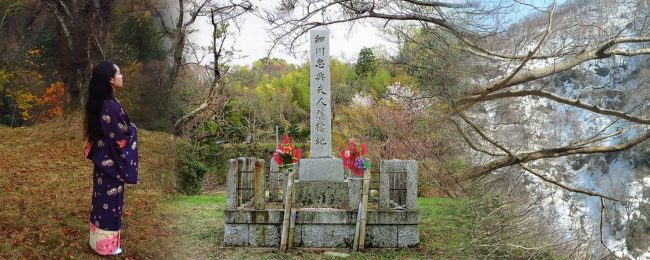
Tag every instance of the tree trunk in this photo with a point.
(179, 42)
(77, 21)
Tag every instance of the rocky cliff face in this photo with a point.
(532, 123)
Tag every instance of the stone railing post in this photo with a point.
(274, 172)
(242, 184)
(399, 174)
(384, 184)
(231, 185)
(411, 184)
(354, 191)
(259, 184)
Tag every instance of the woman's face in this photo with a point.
(116, 80)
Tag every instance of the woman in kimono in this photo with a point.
(112, 147)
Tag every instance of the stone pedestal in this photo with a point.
(321, 194)
(321, 169)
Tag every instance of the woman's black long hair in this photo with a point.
(99, 90)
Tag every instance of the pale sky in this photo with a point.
(253, 40)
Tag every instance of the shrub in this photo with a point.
(504, 226)
(641, 158)
(191, 170)
(638, 234)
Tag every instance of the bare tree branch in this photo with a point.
(439, 4)
(4, 16)
(602, 240)
(195, 13)
(483, 169)
(572, 102)
(538, 174)
(564, 186)
(471, 143)
(599, 52)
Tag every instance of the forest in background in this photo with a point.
(51, 47)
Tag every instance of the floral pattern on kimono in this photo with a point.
(115, 162)
(104, 242)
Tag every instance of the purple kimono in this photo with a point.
(115, 160)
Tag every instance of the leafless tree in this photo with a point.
(223, 18)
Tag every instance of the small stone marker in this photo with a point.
(336, 254)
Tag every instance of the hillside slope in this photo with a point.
(45, 189)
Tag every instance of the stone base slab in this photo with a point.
(322, 228)
(321, 235)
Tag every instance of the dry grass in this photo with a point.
(45, 189)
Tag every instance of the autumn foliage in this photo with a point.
(51, 102)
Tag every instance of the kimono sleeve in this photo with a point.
(121, 143)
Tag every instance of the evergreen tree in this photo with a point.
(366, 63)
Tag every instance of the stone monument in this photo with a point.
(321, 176)
(325, 207)
(320, 166)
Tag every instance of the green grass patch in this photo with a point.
(444, 225)
(197, 222)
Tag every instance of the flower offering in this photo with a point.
(286, 153)
(354, 160)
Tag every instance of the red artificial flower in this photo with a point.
(277, 158)
(352, 146)
(297, 155)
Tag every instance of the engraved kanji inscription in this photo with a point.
(320, 63)
(320, 140)
(320, 115)
(320, 127)
(321, 102)
(319, 90)
(320, 76)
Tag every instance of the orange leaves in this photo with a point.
(32, 107)
(52, 101)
